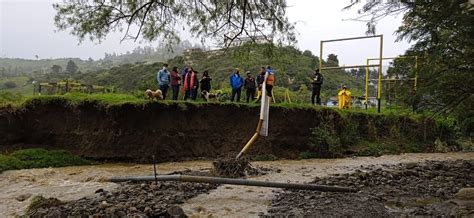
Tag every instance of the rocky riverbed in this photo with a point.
(431, 188)
(391, 185)
(130, 199)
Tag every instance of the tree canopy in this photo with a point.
(71, 67)
(222, 21)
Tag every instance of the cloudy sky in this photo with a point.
(27, 30)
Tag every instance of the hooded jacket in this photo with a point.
(236, 81)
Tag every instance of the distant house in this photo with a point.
(243, 40)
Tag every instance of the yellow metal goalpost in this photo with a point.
(379, 65)
(379, 88)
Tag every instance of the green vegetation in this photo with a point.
(39, 158)
(9, 98)
(308, 155)
(441, 32)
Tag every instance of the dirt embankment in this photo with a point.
(177, 131)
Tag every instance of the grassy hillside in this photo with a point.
(293, 69)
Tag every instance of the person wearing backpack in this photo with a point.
(316, 82)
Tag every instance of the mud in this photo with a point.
(414, 189)
(70, 184)
(184, 131)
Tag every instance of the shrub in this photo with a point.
(324, 140)
(9, 85)
(39, 158)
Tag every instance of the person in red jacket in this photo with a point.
(175, 82)
(190, 84)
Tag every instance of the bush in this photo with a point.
(9, 85)
(39, 158)
(307, 155)
(325, 141)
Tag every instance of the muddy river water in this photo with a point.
(70, 183)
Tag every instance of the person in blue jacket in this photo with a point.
(236, 82)
(163, 77)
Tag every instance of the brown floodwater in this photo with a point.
(70, 183)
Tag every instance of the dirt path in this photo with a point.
(70, 183)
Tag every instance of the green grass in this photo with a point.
(23, 86)
(39, 158)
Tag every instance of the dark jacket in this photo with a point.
(249, 83)
(206, 83)
(260, 79)
(317, 80)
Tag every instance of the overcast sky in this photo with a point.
(27, 30)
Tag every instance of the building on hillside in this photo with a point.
(243, 40)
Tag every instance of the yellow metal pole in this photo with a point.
(321, 57)
(352, 38)
(367, 85)
(379, 87)
(252, 140)
(349, 66)
(416, 75)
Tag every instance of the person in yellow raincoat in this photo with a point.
(344, 98)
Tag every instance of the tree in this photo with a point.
(308, 53)
(223, 21)
(56, 68)
(442, 34)
(332, 60)
(71, 67)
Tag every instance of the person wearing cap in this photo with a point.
(260, 80)
(163, 76)
(250, 86)
(316, 82)
(236, 82)
(344, 98)
(270, 82)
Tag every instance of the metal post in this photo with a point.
(415, 83)
(219, 180)
(154, 170)
(349, 66)
(416, 75)
(367, 85)
(379, 91)
(321, 57)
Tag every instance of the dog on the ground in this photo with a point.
(154, 95)
(211, 96)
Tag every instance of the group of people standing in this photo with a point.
(250, 84)
(188, 78)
